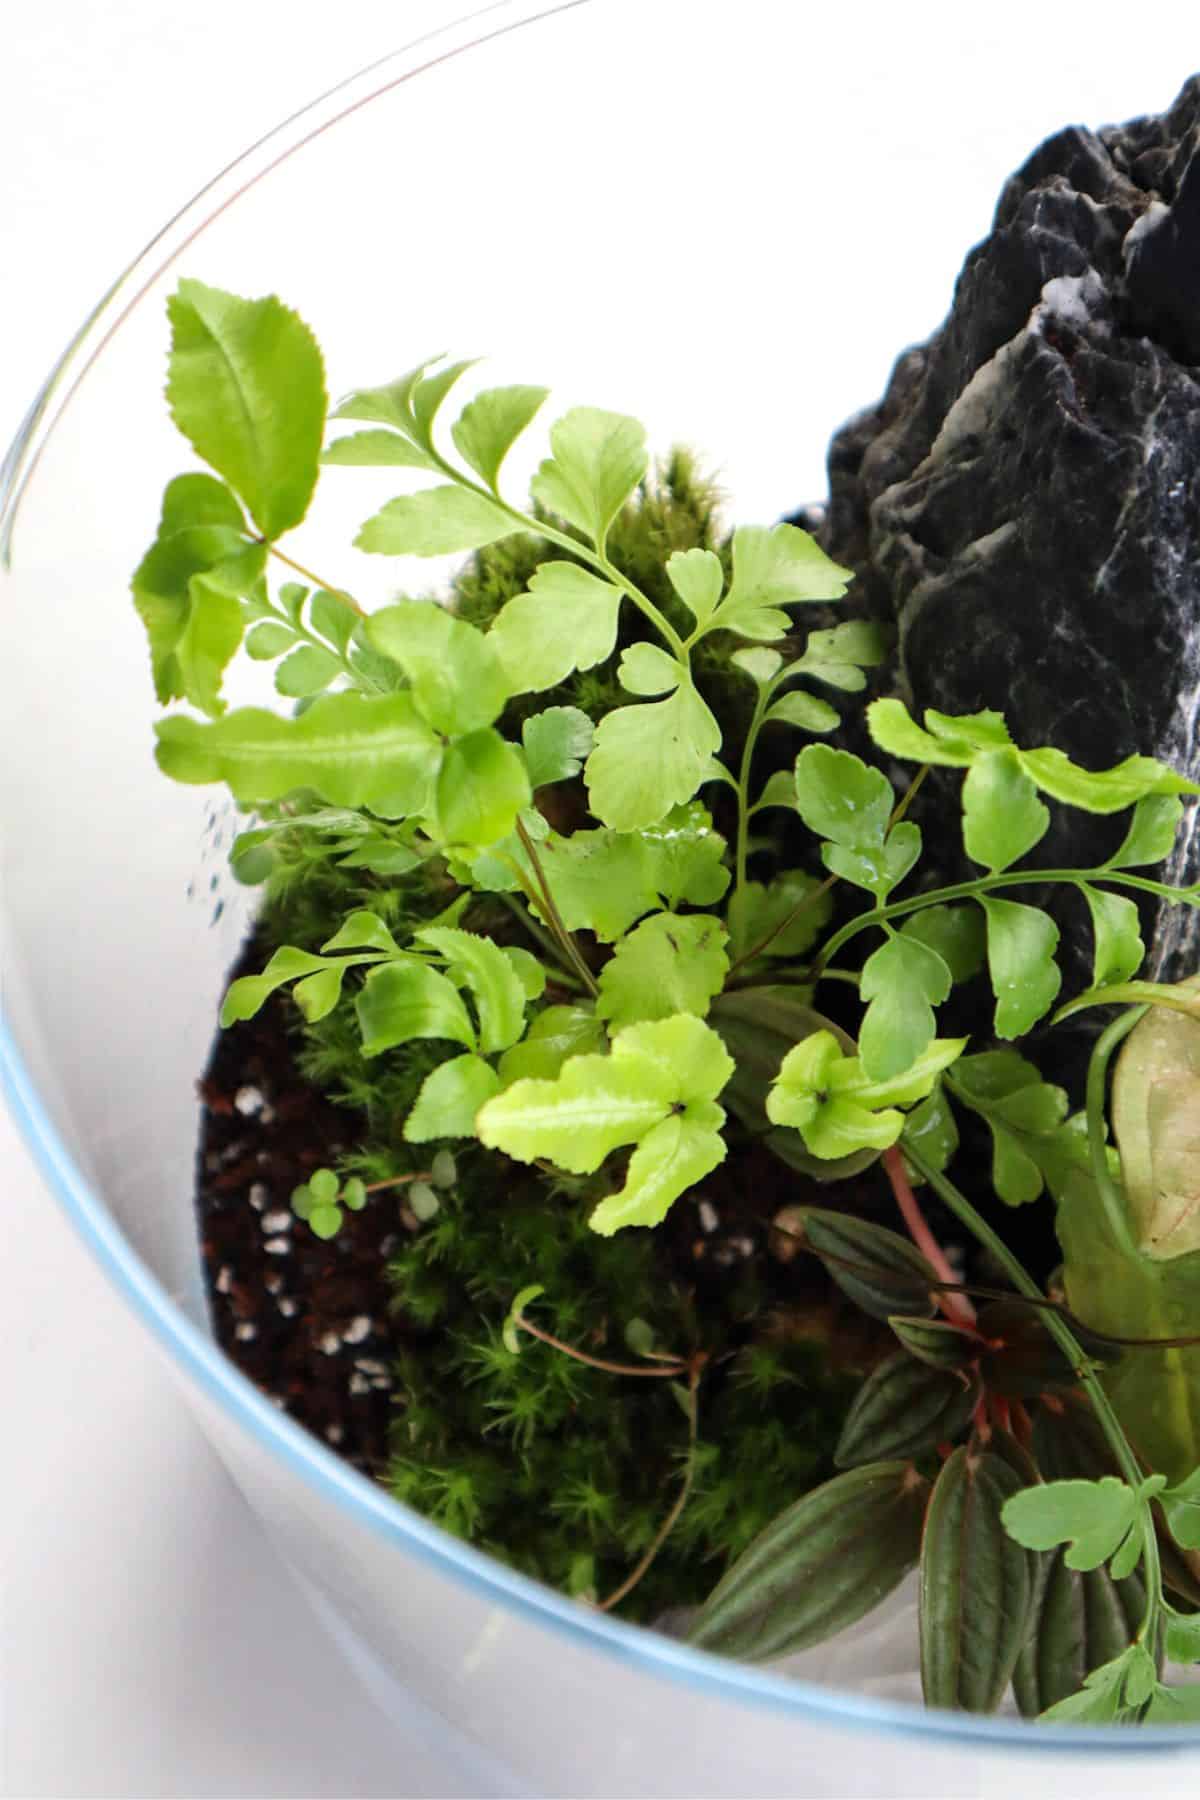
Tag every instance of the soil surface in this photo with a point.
(307, 1321)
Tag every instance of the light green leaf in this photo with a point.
(318, 994)
(669, 964)
(527, 969)
(1183, 1638)
(903, 981)
(601, 881)
(435, 522)
(669, 1160)
(1021, 942)
(827, 1096)
(697, 577)
(895, 731)
(1002, 816)
(449, 1099)
(683, 856)
(334, 619)
(308, 670)
(376, 450)
(1117, 932)
(841, 798)
(878, 869)
(775, 566)
(556, 1034)
(1103, 790)
(481, 789)
(1093, 1518)
(269, 640)
(760, 664)
(981, 732)
(597, 460)
(246, 387)
(1172, 1706)
(1152, 832)
(645, 669)
(458, 683)
(246, 995)
(390, 405)
(755, 910)
(429, 391)
(802, 710)
(650, 758)
(400, 1001)
(1181, 1505)
(839, 656)
(208, 642)
(186, 589)
(955, 932)
(485, 969)
(598, 1103)
(490, 424)
(556, 742)
(362, 930)
(566, 620)
(351, 749)
(779, 790)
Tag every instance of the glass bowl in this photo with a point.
(727, 220)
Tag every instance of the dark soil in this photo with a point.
(307, 1321)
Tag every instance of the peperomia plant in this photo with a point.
(1037, 1457)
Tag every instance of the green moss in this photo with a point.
(565, 1471)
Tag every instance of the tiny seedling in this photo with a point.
(654, 1004)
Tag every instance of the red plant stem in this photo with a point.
(980, 1420)
(1001, 1412)
(956, 1307)
(1022, 1424)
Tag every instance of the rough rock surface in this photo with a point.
(1024, 502)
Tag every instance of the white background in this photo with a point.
(150, 1645)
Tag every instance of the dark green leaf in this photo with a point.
(404, 1000)
(875, 1268)
(931, 1131)
(955, 932)
(755, 910)
(1002, 816)
(841, 798)
(553, 1036)
(247, 389)
(936, 1342)
(1024, 1115)
(822, 1564)
(904, 1408)
(977, 1585)
(490, 424)
(457, 680)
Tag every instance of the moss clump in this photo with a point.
(563, 1470)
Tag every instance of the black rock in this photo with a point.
(1024, 502)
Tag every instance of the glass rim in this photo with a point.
(197, 1354)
